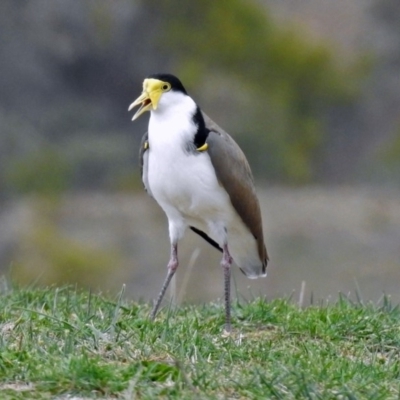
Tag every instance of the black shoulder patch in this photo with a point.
(202, 131)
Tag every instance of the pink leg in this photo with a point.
(172, 267)
(226, 263)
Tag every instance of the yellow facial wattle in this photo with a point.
(152, 91)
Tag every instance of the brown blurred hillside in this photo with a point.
(334, 240)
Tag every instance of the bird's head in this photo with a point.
(156, 88)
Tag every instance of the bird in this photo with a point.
(202, 180)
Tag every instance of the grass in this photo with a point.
(62, 343)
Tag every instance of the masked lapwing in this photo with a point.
(201, 179)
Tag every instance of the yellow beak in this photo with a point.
(152, 91)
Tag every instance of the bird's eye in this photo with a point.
(166, 87)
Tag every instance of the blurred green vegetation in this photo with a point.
(389, 154)
(392, 151)
(44, 171)
(291, 82)
(283, 95)
(48, 255)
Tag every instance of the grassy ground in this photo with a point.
(64, 344)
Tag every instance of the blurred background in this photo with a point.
(310, 89)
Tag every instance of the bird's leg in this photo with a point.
(226, 263)
(172, 267)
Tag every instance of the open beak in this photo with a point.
(149, 98)
(144, 101)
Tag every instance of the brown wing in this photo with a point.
(234, 173)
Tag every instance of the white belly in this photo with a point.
(187, 189)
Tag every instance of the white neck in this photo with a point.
(172, 122)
